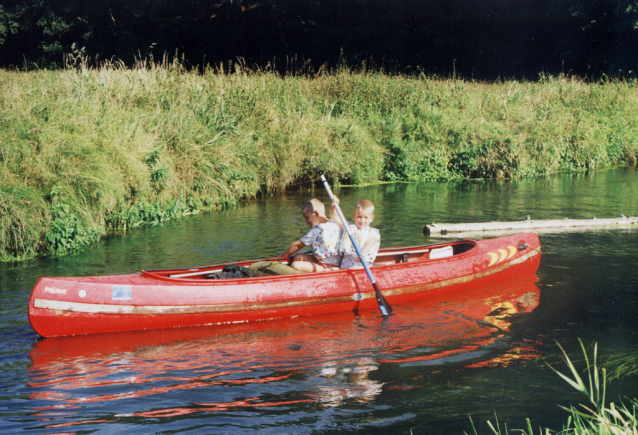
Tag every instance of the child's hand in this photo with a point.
(334, 216)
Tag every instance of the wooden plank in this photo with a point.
(531, 224)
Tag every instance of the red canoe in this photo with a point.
(466, 331)
(182, 297)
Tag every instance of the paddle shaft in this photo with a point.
(384, 307)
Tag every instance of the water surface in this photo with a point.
(426, 370)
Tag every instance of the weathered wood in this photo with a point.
(530, 224)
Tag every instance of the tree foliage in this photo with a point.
(487, 39)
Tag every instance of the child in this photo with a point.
(323, 238)
(367, 238)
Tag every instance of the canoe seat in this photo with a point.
(446, 251)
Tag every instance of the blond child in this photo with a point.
(367, 238)
(323, 238)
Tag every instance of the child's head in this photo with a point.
(313, 211)
(363, 213)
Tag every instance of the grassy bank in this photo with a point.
(85, 151)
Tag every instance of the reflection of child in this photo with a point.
(350, 382)
(323, 238)
(367, 238)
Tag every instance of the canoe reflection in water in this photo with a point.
(312, 362)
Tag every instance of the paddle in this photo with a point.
(385, 308)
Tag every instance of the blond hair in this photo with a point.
(314, 205)
(364, 205)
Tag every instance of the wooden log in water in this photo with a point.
(530, 224)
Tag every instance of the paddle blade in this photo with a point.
(384, 306)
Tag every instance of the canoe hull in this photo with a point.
(89, 305)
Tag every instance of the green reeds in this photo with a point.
(622, 364)
(597, 417)
(594, 417)
(87, 150)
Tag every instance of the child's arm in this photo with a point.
(334, 216)
(294, 248)
(369, 244)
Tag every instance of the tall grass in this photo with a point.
(87, 150)
(595, 416)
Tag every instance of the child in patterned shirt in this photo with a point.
(367, 238)
(323, 238)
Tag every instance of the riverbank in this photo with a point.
(88, 151)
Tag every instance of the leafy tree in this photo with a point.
(609, 33)
(487, 39)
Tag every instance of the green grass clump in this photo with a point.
(595, 417)
(84, 151)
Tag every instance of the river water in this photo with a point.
(429, 369)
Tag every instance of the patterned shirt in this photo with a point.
(324, 239)
(350, 260)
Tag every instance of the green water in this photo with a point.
(425, 372)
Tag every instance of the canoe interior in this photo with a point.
(387, 256)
